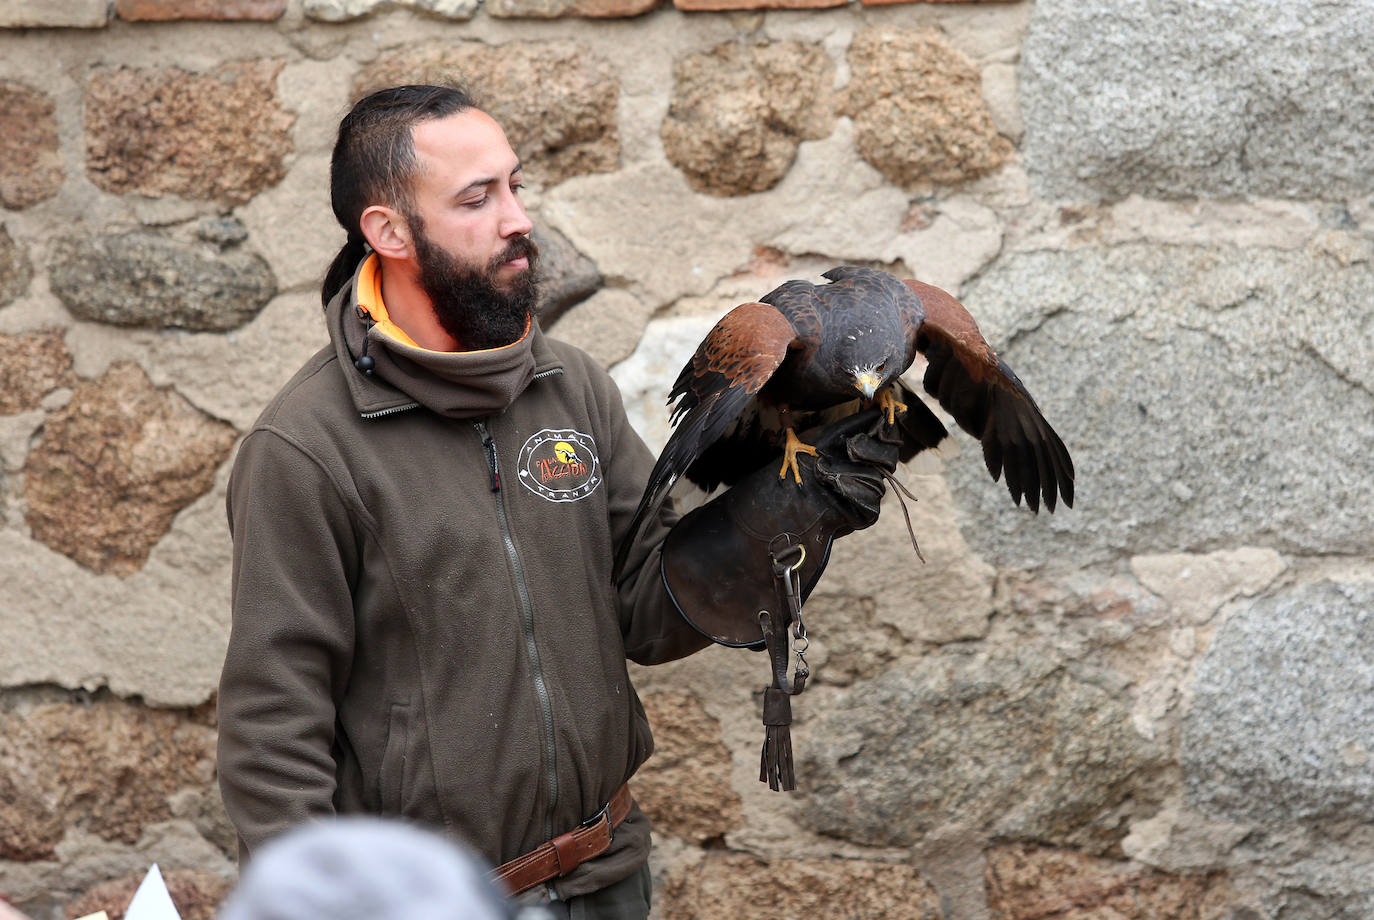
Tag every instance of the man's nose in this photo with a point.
(514, 220)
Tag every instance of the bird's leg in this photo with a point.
(793, 446)
(887, 401)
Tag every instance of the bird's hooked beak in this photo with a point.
(867, 383)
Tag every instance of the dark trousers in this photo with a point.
(627, 899)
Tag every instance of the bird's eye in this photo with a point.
(881, 367)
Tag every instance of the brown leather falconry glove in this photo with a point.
(740, 567)
(717, 559)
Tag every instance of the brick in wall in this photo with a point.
(721, 5)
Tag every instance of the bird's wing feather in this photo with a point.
(989, 401)
(730, 366)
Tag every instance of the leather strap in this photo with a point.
(566, 852)
(776, 767)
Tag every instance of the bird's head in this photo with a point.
(867, 380)
(871, 353)
(870, 378)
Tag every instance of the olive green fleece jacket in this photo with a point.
(424, 623)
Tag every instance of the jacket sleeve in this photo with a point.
(654, 631)
(291, 641)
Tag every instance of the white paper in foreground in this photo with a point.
(151, 901)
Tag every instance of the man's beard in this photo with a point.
(468, 302)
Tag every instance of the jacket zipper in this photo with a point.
(390, 411)
(527, 619)
(490, 447)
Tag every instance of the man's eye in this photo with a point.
(516, 186)
(476, 202)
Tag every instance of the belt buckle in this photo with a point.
(595, 819)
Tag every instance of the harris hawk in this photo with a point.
(807, 354)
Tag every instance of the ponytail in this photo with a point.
(342, 268)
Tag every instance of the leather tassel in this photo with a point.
(775, 763)
(776, 767)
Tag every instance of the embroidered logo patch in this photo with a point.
(560, 464)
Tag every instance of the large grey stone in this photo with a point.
(143, 279)
(608, 325)
(1210, 397)
(1299, 902)
(1323, 875)
(1013, 746)
(567, 277)
(1211, 97)
(1281, 727)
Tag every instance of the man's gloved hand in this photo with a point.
(717, 560)
(856, 455)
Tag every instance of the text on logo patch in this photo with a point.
(560, 464)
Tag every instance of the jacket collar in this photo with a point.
(456, 385)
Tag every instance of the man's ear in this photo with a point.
(387, 232)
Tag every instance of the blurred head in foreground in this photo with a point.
(356, 868)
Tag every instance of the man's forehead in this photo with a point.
(468, 144)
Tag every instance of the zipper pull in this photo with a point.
(490, 445)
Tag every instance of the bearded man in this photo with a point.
(424, 520)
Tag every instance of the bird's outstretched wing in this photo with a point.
(730, 366)
(988, 400)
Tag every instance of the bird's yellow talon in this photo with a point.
(790, 449)
(890, 404)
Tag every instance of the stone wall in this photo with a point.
(1155, 705)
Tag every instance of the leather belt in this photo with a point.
(566, 852)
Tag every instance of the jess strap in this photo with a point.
(566, 852)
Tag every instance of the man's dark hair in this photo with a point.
(374, 162)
